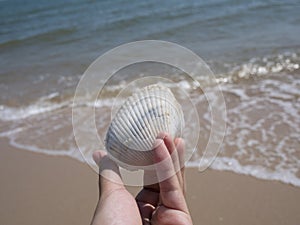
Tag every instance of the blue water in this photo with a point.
(45, 46)
(45, 40)
(34, 33)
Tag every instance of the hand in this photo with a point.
(116, 205)
(164, 203)
(157, 204)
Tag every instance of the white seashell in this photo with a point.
(133, 130)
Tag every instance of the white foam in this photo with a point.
(43, 105)
(231, 164)
(72, 152)
(12, 113)
(11, 132)
(261, 66)
(278, 96)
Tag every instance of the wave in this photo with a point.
(261, 146)
(230, 164)
(43, 105)
(47, 105)
(259, 67)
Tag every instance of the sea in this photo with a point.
(252, 47)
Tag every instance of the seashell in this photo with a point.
(133, 130)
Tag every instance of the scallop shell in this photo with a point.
(133, 130)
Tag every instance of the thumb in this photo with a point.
(109, 174)
(170, 190)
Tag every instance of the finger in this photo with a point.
(147, 199)
(97, 155)
(170, 190)
(164, 215)
(150, 193)
(180, 146)
(109, 174)
(146, 211)
(174, 155)
(148, 196)
(169, 143)
(172, 150)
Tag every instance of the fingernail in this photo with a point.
(162, 135)
(96, 157)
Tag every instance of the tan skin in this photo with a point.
(157, 204)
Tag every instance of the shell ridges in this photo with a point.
(133, 130)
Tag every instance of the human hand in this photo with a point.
(116, 205)
(156, 204)
(164, 203)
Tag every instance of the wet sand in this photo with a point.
(42, 189)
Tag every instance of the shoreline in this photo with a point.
(43, 189)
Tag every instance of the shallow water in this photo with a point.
(253, 48)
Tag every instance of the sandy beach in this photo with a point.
(42, 189)
(251, 47)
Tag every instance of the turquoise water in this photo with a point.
(65, 36)
(252, 46)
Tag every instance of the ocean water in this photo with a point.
(253, 47)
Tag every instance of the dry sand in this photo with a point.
(41, 189)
